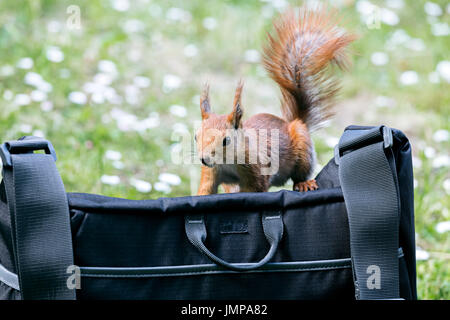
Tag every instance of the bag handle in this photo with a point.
(369, 184)
(39, 217)
(273, 230)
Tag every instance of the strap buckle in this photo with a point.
(387, 137)
(26, 145)
(374, 135)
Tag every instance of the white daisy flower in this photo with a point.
(210, 23)
(110, 180)
(104, 79)
(133, 26)
(416, 44)
(170, 178)
(6, 71)
(379, 58)
(281, 4)
(177, 110)
(22, 99)
(8, 95)
(77, 97)
(25, 128)
(132, 94)
(107, 66)
(98, 98)
(409, 78)
(47, 106)
(389, 17)
(54, 54)
(441, 135)
(162, 187)
(443, 68)
(177, 14)
(45, 86)
(141, 185)
(383, 102)
(171, 82)
(441, 161)
(446, 186)
(422, 254)
(416, 162)
(120, 5)
(439, 29)
(38, 96)
(398, 37)
(142, 82)
(38, 133)
(113, 155)
(152, 121)
(432, 9)
(429, 152)
(442, 227)
(252, 56)
(33, 79)
(118, 165)
(190, 50)
(25, 63)
(331, 141)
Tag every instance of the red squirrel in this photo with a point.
(297, 56)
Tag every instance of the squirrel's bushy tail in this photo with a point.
(298, 55)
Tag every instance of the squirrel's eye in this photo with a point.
(226, 141)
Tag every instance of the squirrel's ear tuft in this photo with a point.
(205, 107)
(235, 116)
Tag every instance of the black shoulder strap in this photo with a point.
(369, 183)
(40, 224)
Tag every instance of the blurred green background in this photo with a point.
(112, 83)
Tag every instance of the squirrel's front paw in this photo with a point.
(306, 186)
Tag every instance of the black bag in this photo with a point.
(353, 237)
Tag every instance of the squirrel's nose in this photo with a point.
(205, 161)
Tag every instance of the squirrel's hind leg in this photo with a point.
(302, 149)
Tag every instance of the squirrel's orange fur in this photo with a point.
(297, 56)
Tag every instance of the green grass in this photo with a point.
(82, 134)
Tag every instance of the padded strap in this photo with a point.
(40, 224)
(273, 230)
(369, 184)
